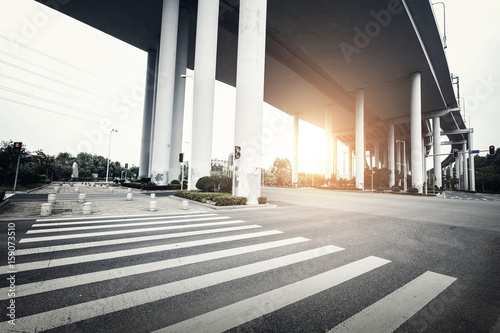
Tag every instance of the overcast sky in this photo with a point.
(65, 84)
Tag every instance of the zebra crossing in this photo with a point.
(62, 257)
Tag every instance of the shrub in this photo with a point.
(122, 181)
(395, 189)
(175, 182)
(144, 180)
(226, 184)
(262, 200)
(220, 199)
(2, 194)
(413, 190)
(206, 184)
(380, 189)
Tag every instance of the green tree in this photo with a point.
(282, 171)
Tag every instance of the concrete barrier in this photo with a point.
(46, 209)
(185, 204)
(51, 199)
(87, 208)
(129, 196)
(152, 206)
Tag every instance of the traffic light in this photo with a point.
(237, 152)
(48, 164)
(17, 147)
(455, 153)
(181, 157)
(492, 150)
(126, 165)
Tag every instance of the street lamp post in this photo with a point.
(405, 185)
(109, 152)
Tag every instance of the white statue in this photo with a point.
(74, 174)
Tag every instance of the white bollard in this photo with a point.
(129, 196)
(46, 209)
(77, 190)
(87, 208)
(56, 189)
(129, 190)
(152, 196)
(81, 197)
(52, 198)
(185, 204)
(152, 206)
(112, 190)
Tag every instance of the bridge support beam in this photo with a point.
(436, 140)
(349, 162)
(204, 90)
(295, 162)
(160, 160)
(465, 167)
(390, 152)
(179, 93)
(416, 131)
(328, 141)
(335, 157)
(250, 97)
(360, 139)
(471, 164)
(147, 118)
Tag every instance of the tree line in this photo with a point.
(38, 167)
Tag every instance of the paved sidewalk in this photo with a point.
(105, 204)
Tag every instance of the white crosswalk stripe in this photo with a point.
(77, 254)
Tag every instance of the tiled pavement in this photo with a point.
(104, 203)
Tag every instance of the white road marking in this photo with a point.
(75, 313)
(112, 216)
(109, 226)
(125, 231)
(392, 311)
(53, 224)
(241, 312)
(81, 279)
(128, 240)
(50, 263)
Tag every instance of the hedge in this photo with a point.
(150, 186)
(220, 199)
(262, 200)
(2, 194)
(413, 190)
(395, 189)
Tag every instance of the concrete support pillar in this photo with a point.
(179, 93)
(398, 162)
(436, 140)
(147, 117)
(250, 97)
(465, 167)
(165, 95)
(204, 90)
(416, 131)
(471, 163)
(349, 160)
(328, 141)
(459, 166)
(335, 156)
(360, 138)
(295, 162)
(376, 151)
(390, 157)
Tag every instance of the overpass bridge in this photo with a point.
(372, 73)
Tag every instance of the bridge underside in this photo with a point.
(317, 54)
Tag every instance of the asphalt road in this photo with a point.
(319, 261)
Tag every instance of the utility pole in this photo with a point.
(17, 148)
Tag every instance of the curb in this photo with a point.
(4, 203)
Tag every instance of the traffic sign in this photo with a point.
(474, 151)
